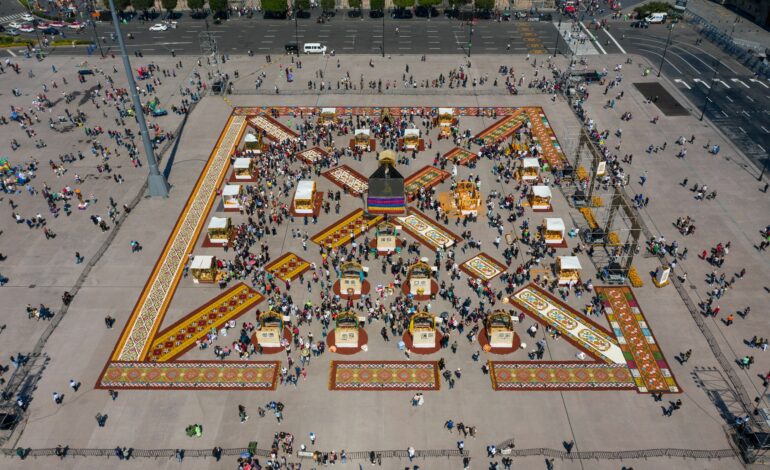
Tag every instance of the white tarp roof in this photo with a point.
(242, 163)
(414, 132)
(531, 163)
(442, 111)
(251, 137)
(554, 225)
(362, 131)
(541, 191)
(218, 222)
(304, 190)
(328, 110)
(569, 262)
(202, 262)
(231, 190)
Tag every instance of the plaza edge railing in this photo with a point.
(20, 375)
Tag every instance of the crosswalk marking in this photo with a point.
(9, 18)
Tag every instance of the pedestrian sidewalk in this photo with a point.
(576, 38)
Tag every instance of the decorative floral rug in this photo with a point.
(384, 375)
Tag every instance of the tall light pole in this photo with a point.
(470, 28)
(296, 27)
(156, 182)
(717, 64)
(558, 34)
(668, 41)
(383, 29)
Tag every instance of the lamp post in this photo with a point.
(383, 29)
(91, 12)
(558, 34)
(296, 27)
(668, 41)
(157, 183)
(717, 64)
(470, 28)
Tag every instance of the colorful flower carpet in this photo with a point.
(645, 359)
(428, 232)
(384, 375)
(530, 375)
(149, 310)
(184, 375)
(574, 327)
(354, 224)
(288, 267)
(460, 156)
(178, 338)
(372, 111)
(426, 177)
(504, 127)
(346, 177)
(544, 135)
(272, 128)
(482, 266)
(311, 155)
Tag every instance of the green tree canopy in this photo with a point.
(328, 5)
(120, 5)
(274, 5)
(428, 3)
(218, 5)
(485, 4)
(168, 4)
(142, 4)
(195, 4)
(404, 3)
(377, 4)
(458, 3)
(356, 4)
(302, 5)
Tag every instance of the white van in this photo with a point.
(656, 18)
(314, 48)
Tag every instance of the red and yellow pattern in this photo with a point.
(288, 267)
(645, 359)
(544, 135)
(182, 375)
(460, 156)
(426, 177)
(513, 375)
(354, 224)
(182, 335)
(504, 127)
(384, 375)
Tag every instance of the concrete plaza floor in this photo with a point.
(357, 421)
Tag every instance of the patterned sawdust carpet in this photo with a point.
(384, 375)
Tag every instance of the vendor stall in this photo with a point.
(270, 330)
(203, 269)
(243, 169)
(352, 277)
(304, 197)
(219, 230)
(499, 330)
(422, 328)
(346, 330)
(327, 116)
(231, 197)
(540, 198)
(411, 139)
(386, 237)
(446, 120)
(568, 270)
(467, 199)
(554, 231)
(530, 169)
(253, 142)
(418, 278)
(362, 140)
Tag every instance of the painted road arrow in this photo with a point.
(723, 83)
(758, 81)
(679, 80)
(701, 82)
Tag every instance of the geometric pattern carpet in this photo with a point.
(384, 375)
(579, 375)
(192, 375)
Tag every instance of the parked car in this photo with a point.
(27, 28)
(291, 48)
(640, 24)
(49, 31)
(158, 27)
(314, 48)
(376, 14)
(27, 17)
(43, 25)
(76, 25)
(15, 25)
(58, 24)
(12, 32)
(423, 12)
(274, 15)
(656, 18)
(402, 14)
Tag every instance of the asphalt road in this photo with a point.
(738, 103)
(344, 35)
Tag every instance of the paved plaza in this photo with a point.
(580, 379)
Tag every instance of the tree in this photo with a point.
(120, 5)
(195, 4)
(404, 3)
(355, 4)
(377, 5)
(328, 5)
(169, 5)
(218, 5)
(277, 6)
(458, 3)
(142, 5)
(428, 3)
(485, 4)
(302, 5)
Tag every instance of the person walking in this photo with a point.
(312, 438)
(242, 413)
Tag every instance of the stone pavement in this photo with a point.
(595, 420)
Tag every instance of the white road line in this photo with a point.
(678, 80)
(758, 81)
(596, 42)
(766, 131)
(613, 40)
(762, 148)
(723, 113)
(723, 83)
(750, 98)
(11, 52)
(739, 127)
(744, 112)
(737, 80)
(669, 62)
(729, 99)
